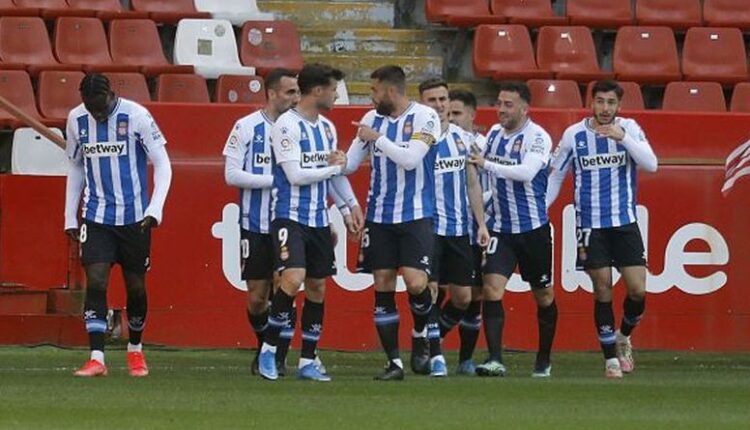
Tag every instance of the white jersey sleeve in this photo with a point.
(285, 142)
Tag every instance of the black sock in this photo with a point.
(547, 320)
(387, 322)
(605, 327)
(281, 309)
(259, 323)
(312, 327)
(95, 317)
(468, 330)
(633, 311)
(433, 332)
(286, 336)
(137, 308)
(420, 305)
(449, 317)
(494, 319)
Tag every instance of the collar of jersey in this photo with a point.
(406, 111)
(314, 124)
(265, 117)
(587, 122)
(517, 132)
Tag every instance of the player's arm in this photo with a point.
(286, 149)
(75, 181)
(234, 156)
(532, 162)
(640, 150)
(359, 149)
(476, 201)
(559, 167)
(154, 143)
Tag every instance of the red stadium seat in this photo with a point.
(504, 52)
(240, 89)
(462, 13)
(58, 93)
(51, 9)
(714, 54)
(131, 86)
(678, 14)
(107, 9)
(694, 97)
(632, 97)
(269, 44)
(555, 94)
(646, 55)
(569, 53)
(727, 13)
(533, 13)
(741, 98)
(182, 88)
(24, 41)
(136, 42)
(169, 11)
(15, 86)
(9, 8)
(600, 13)
(82, 41)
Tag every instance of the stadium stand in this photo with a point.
(632, 98)
(132, 86)
(235, 11)
(210, 47)
(694, 96)
(24, 42)
(80, 40)
(57, 94)
(15, 86)
(183, 88)
(268, 44)
(599, 13)
(505, 51)
(106, 9)
(714, 54)
(532, 13)
(727, 13)
(51, 9)
(677, 14)
(465, 13)
(136, 41)
(646, 54)
(240, 89)
(569, 53)
(169, 11)
(555, 94)
(741, 98)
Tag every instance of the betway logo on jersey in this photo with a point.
(450, 164)
(314, 159)
(603, 161)
(105, 149)
(501, 161)
(262, 160)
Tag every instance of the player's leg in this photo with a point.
(435, 353)
(257, 313)
(287, 331)
(98, 252)
(471, 321)
(257, 271)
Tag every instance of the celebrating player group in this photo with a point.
(453, 212)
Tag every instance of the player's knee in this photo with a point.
(637, 294)
(544, 296)
(461, 301)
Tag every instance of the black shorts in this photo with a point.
(256, 256)
(126, 245)
(452, 261)
(392, 246)
(297, 246)
(531, 251)
(610, 247)
(478, 263)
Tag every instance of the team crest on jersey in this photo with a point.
(517, 145)
(460, 144)
(408, 128)
(122, 129)
(329, 133)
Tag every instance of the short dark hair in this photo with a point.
(317, 75)
(466, 97)
(274, 77)
(94, 85)
(391, 75)
(432, 83)
(517, 87)
(606, 86)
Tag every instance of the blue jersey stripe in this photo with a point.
(605, 181)
(391, 176)
(303, 216)
(105, 169)
(410, 178)
(375, 178)
(321, 186)
(586, 190)
(126, 181)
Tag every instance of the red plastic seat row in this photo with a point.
(166, 11)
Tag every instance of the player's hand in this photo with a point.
(73, 234)
(476, 159)
(366, 133)
(483, 236)
(612, 131)
(148, 222)
(337, 158)
(358, 219)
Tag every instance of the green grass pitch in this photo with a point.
(214, 389)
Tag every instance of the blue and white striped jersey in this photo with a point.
(604, 173)
(451, 189)
(295, 139)
(518, 206)
(398, 195)
(114, 155)
(484, 182)
(250, 143)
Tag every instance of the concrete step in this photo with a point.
(359, 67)
(23, 302)
(339, 14)
(415, 43)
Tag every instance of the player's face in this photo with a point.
(382, 99)
(437, 98)
(605, 107)
(461, 115)
(285, 96)
(511, 109)
(100, 106)
(326, 95)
